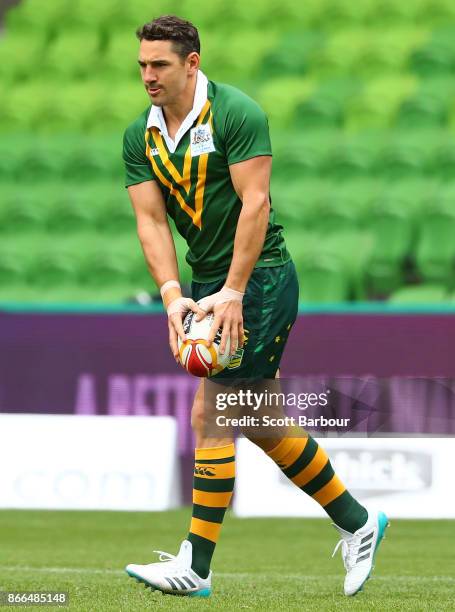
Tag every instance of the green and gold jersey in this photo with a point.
(195, 179)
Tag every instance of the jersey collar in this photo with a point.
(156, 117)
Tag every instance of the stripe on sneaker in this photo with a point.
(189, 582)
(366, 538)
(173, 585)
(362, 558)
(180, 583)
(365, 548)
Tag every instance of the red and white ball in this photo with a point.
(196, 356)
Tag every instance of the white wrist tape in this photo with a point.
(169, 285)
(224, 295)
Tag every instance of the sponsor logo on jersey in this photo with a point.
(201, 140)
(154, 151)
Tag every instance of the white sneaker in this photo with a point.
(359, 549)
(172, 575)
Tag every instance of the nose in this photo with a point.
(149, 75)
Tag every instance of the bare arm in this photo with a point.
(159, 251)
(155, 235)
(251, 180)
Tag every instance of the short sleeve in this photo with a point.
(137, 167)
(246, 132)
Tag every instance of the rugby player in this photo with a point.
(201, 155)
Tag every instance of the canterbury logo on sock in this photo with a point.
(199, 470)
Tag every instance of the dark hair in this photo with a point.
(183, 34)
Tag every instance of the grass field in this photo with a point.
(260, 564)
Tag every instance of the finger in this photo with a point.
(234, 338)
(213, 329)
(241, 334)
(224, 337)
(176, 321)
(173, 343)
(200, 312)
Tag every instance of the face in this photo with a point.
(164, 73)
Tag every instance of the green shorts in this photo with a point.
(270, 309)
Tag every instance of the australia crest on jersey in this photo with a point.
(201, 140)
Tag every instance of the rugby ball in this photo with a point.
(196, 356)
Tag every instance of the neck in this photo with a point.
(176, 112)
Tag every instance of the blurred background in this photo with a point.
(361, 104)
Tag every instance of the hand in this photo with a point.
(176, 312)
(225, 294)
(229, 316)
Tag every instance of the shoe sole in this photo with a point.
(383, 522)
(154, 587)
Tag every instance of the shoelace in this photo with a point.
(164, 556)
(349, 551)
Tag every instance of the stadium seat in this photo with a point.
(341, 52)
(322, 281)
(377, 105)
(420, 294)
(435, 255)
(353, 156)
(388, 49)
(120, 57)
(326, 107)
(429, 106)
(291, 55)
(15, 63)
(391, 224)
(74, 55)
(280, 96)
(44, 18)
(437, 57)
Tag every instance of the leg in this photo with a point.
(214, 475)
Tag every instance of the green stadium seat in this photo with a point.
(73, 56)
(388, 50)
(353, 250)
(420, 294)
(352, 156)
(298, 203)
(292, 55)
(120, 57)
(326, 107)
(322, 280)
(341, 52)
(15, 53)
(437, 57)
(429, 107)
(435, 255)
(279, 98)
(122, 105)
(409, 154)
(391, 224)
(45, 17)
(377, 105)
(100, 16)
(390, 13)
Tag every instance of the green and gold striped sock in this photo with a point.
(214, 474)
(307, 464)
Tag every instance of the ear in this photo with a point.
(193, 60)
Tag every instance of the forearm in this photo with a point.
(249, 240)
(159, 252)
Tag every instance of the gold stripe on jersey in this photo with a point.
(185, 179)
(174, 191)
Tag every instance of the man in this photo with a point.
(201, 154)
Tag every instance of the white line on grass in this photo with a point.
(229, 575)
